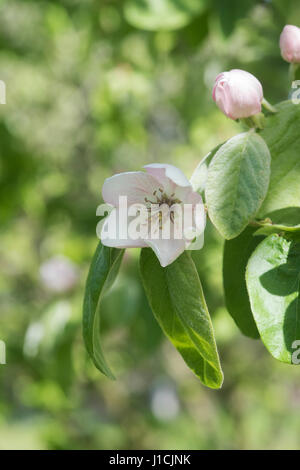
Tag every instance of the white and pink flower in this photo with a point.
(157, 208)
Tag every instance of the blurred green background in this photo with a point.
(96, 87)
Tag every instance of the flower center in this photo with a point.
(162, 198)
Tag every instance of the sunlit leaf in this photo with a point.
(273, 282)
(162, 14)
(237, 182)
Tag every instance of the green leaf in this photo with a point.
(236, 255)
(162, 14)
(273, 282)
(177, 301)
(283, 138)
(237, 182)
(103, 271)
(199, 176)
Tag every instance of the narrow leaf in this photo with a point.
(103, 271)
(177, 301)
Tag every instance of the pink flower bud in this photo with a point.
(238, 94)
(290, 43)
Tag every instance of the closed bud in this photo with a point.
(238, 94)
(290, 44)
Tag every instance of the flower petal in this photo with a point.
(136, 185)
(196, 244)
(112, 236)
(166, 250)
(163, 171)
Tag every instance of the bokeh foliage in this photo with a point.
(91, 93)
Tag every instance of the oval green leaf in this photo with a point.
(237, 183)
(103, 271)
(273, 282)
(177, 301)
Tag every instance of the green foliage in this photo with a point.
(283, 139)
(237, 183)
(273, 281)
(103, 271)
(236, 255)
(177, 300)
(199, 177)
(162, 14)
(89, 95)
